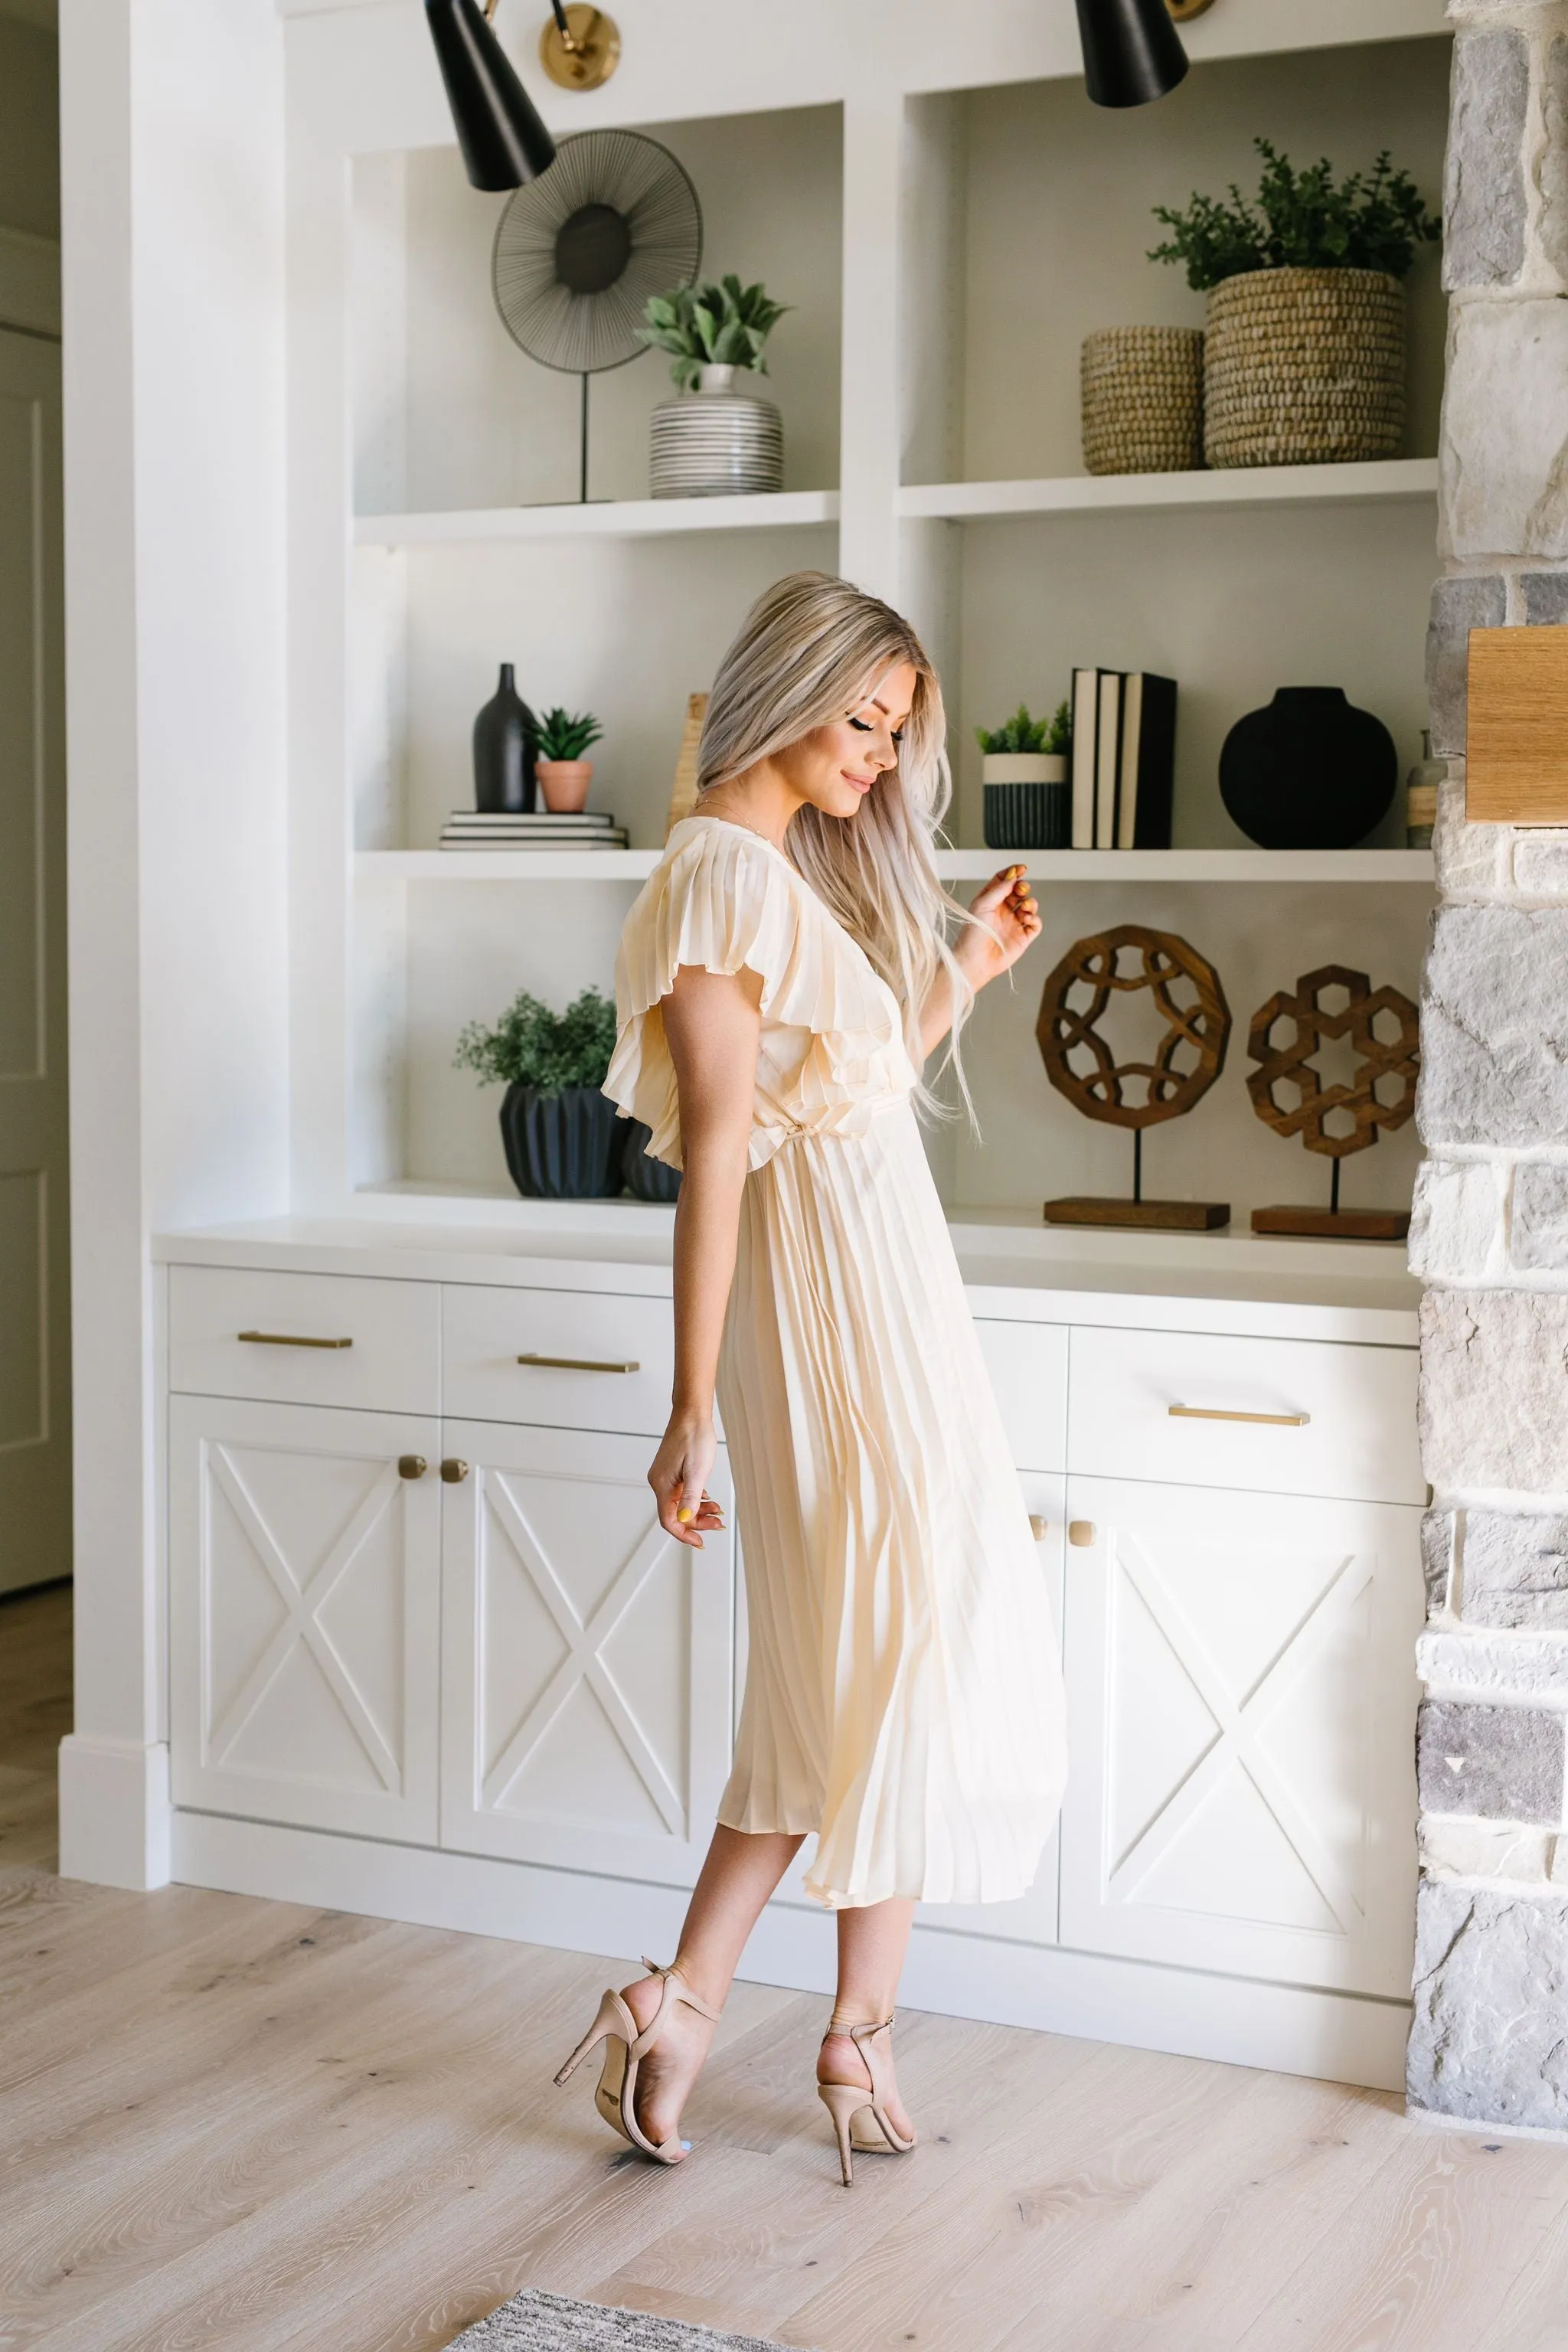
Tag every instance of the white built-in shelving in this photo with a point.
(944, 245)
(1375, 483)
(1187, 866)
(598, 519)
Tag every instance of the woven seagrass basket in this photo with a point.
(1304, 367)
(1143, 400)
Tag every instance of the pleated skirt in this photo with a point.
(903, 1693)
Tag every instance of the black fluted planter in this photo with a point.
(647, 1179)
(1307, 771)
(562, 1147)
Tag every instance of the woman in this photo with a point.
(781, 982)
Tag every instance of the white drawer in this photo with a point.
(1029, 1367)
(609, 1363)
(1340, 1421)
(297, 1323)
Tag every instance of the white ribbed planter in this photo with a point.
(715, 442)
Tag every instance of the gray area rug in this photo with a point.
(533, 2322)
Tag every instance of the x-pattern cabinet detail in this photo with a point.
(396, 1618)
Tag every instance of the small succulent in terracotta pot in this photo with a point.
(563, 774)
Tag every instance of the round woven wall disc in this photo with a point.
(579, 251)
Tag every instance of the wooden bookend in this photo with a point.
(1164, 1216)
(1516, 768)
(1336, 1224)
(683, 791)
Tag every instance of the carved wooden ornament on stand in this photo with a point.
(1187, 1058)
(1389, 1063)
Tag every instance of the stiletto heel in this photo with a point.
(843, 2102)
(614, 2094)
(846, 2100)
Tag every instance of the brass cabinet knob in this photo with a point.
(412, 1466)
(1082, 1532)
(453, 1471)
(1038, 1528)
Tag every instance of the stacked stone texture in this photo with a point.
(1490, 1236)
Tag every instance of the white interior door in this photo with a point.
(1241, 1707)
(304, 1572)
(586, 1657)
(35, 1300)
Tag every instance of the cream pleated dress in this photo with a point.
(903, 1696)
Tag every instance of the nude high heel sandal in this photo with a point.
(848, 2102)
(615, 2095)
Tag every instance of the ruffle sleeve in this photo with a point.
(832, 1049)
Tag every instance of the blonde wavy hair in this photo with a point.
(809, 654)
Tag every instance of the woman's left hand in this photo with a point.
(1007, 905)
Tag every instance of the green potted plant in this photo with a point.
(561, 1134)
(1024, 771)
(713, 440)
(1304, 353)
(563, 774)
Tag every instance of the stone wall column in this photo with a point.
(1490, 1236)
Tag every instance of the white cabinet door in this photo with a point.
(304, 1615)
(586, 1705)
(1032, 1918)
(1241, 1704)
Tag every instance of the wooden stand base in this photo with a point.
(1165, 1216)
(1336, 1224)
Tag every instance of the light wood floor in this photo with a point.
(244, 2125)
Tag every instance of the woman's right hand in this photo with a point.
(686, 1508)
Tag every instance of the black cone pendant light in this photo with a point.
(1132, 51)
(504, 140)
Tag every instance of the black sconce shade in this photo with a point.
(1131, 52)
(504, 140)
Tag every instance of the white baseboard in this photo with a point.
(115, 1814)
(1289, 2029)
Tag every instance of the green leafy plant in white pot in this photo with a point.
(562, 772)
(1024, 770)
(715, 438)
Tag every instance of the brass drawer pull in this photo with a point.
(578, 1364)
(412, 1466)
(454, 1472)
(1082, 1533)
(1211, 1412)
(1038, 1528)
(288, 1340)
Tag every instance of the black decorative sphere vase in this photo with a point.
(506, 744)
(1308, 772)
(648, 1179)
(562, 1147)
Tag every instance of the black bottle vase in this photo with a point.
(506, 744)
(1307, 771)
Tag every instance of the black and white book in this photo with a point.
(530, 821)
(1085, 729)
(1148, 762)
(1107, 757)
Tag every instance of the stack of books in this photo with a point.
(473, 829)
(1123, 758)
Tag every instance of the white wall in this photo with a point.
(172, 144)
